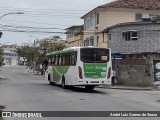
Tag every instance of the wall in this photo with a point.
(148, 41)
(137, 75)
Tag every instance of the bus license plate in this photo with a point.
(95, 76)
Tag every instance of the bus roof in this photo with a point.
(68, 50)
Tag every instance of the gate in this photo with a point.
(156, 64)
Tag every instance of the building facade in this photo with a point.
(138, 45)
(119, 11)
(10, 58)
(10, 54)
(75, 36)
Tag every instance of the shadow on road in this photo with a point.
(79, 89)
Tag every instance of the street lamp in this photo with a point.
(11, 13)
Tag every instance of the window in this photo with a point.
(109, 37)
(97, 18)
(138, 16)
(87, 42)
(97, 40)
(88, 22)
(92, 41)
(73, 59)
(60, 59)
(50, 60)
(94, 55)
(91, 20)
(130, 35)
(66, 59)
(57, 60)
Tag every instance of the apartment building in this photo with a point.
(112, 13)
(74, 36)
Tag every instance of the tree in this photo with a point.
(52, 44)
(28, 53)
(37, 55)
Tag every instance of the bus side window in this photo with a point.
(49, 59)
(73, 59)
(53, 59)
(68, 59)
(60, 60)
(64, 60)
(58, 57)
(57, 60)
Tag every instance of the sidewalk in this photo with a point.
(123, 87)
(33, 72)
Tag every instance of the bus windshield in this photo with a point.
(94, 55)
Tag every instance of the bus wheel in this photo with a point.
(49, 79)
(89, 87)
(63, 82)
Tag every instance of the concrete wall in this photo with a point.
(137, 75)
(148, 40)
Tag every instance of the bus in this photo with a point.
(79, 66)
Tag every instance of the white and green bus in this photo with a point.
(79, 66)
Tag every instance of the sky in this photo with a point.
(41, 18)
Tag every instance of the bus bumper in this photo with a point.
(93, 82)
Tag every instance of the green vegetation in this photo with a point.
(35, 55)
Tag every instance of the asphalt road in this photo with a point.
(23, 91)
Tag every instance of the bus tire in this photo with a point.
(49, 79)
(89, 87)
(63, 82)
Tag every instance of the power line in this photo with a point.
(33, 9)
(55, 16)
(13, 26)
(33, 22)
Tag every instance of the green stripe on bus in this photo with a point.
(95, 70)
(58, 71)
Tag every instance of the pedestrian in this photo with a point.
(113, 77)
(45, 64)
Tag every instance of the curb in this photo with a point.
(130, 88)
(33, 73)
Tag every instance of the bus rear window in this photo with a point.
(94, 55)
